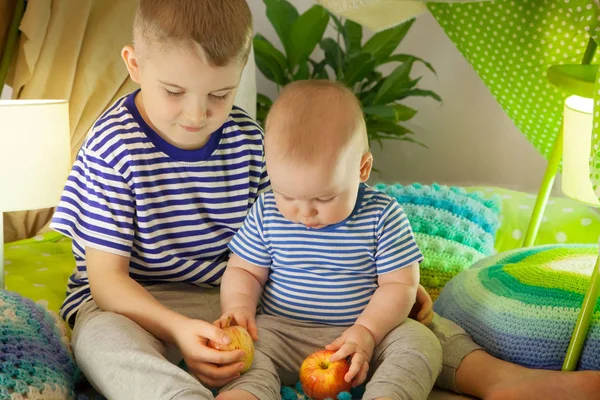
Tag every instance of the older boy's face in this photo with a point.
(183, 97)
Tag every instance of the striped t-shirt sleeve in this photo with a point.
(97, 206)
(249, 243)
(396, 246)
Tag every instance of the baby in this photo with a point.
(333, 261)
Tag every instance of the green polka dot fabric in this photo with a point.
(38, 268)
(512, 43)
(564, 221)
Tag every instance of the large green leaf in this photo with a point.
(358, 67)
(334, 55)
(268, 64)
(306, 32)
(383, 44)
(394, 84)
(302, 71)
(420, 93)
(393, 112)
(352, 33)
(406, 57)
(282, 15)
(388, 128)
(263, 105)
(262, 45)
(404, 113)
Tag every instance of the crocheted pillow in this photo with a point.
(453, 228)
(35, 358)
(521, 306)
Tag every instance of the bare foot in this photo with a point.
(549, 385)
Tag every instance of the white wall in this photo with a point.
(470, 139)
(5, 92)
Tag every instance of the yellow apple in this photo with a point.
(240, 340)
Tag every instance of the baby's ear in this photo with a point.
(366, 165)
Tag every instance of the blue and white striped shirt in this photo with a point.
(172, 211)
(326, 275)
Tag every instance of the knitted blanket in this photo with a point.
(35, 358)
(521, 306)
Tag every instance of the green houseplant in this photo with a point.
(346, 59)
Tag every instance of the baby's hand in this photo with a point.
(239, 316)
(358, 343)
(422, 310)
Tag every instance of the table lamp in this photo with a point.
(573, 146)
(34, 157)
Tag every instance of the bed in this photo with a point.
(38, 268)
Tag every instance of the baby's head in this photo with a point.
(188, 56)
(317, 152)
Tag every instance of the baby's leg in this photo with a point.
(405, 364)
(123, 361)
(282, 347)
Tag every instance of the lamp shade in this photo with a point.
(34, 153)
(577, 146)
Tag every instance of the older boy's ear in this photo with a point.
(131, 62)
(366, 165)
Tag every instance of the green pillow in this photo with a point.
(39, 268)
(453, 228)
(564, 221)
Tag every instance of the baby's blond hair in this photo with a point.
(222, 29)
(314, 120)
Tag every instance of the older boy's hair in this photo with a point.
(312, 120)
(221, 28)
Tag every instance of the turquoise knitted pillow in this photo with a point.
(521, 306)
(453, 228)
(35, 359)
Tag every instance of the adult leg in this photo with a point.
(470, 370)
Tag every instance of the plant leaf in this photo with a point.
(386, 112)
(388, 128)
(302, 73)
(419, 92)
(261, 44)
(383, 44)
(334, 56)
(282, 15)
(394, 84)
(358, 67)
(353, 34)
(404, 113)
(263, 105)
(406, 57)
(306, 32)
(267, 64)
(319, 71)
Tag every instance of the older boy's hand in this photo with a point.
(422, 311)
(358, 343)
(212, 367)
(242, 317)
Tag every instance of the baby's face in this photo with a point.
(315, 195)
(184, 98)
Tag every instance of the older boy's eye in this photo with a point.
(174, 94)
(220, 98)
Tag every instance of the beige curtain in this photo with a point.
(69, 49)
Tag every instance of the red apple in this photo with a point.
(322, 379)
(240, 340)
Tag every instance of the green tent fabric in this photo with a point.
(511, 44)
